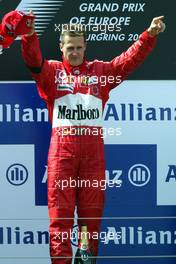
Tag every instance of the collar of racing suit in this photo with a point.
(76, 70)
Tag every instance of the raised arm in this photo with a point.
(41, 69)
(31, 50)
(31, 53)
(129, 60)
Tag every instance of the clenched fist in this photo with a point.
(32, 26)
(157, 26)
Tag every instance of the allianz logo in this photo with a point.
(15, 235)
(17, 174)
(17, 113)
(139, 175)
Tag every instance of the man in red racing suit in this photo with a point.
(75, 98)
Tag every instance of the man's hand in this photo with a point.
(157, 26)
(32, 26)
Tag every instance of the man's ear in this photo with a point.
(61, 46)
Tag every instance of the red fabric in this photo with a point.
(13, 24)
(121, 65)
(5, 40)
(77, 156)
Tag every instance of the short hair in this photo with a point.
(72, 30)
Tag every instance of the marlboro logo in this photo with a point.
(77, 114)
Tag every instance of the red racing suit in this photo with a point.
(75, 97)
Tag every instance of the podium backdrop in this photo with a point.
(139, 216)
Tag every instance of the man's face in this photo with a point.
(73, 49)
